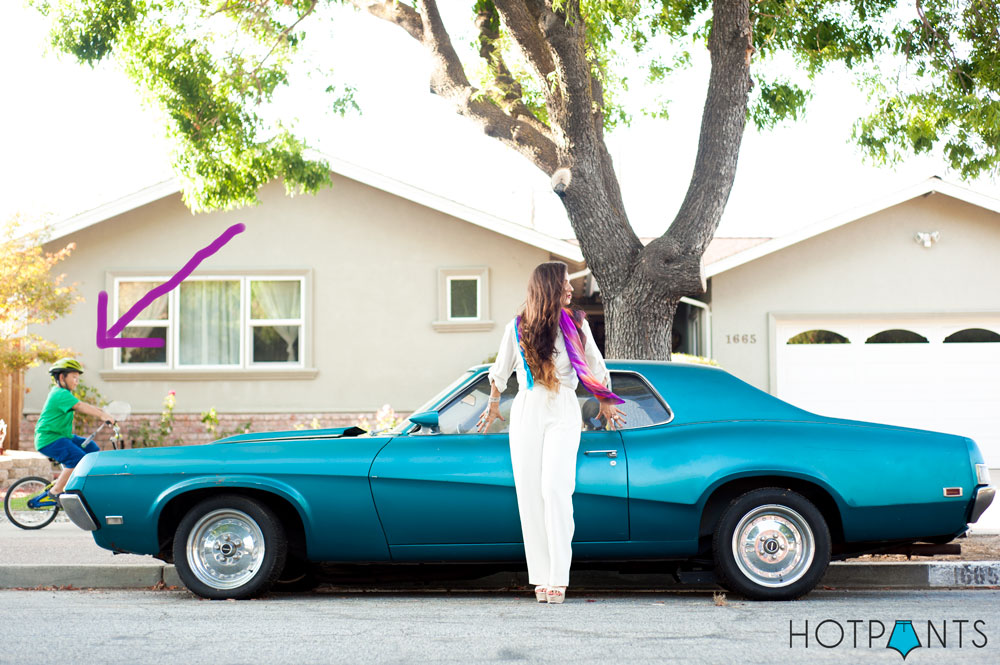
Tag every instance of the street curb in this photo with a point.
(79, 575)
(840, 575)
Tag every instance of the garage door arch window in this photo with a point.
(972, 335)
(896, 336)
(818, 337)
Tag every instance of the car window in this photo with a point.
(461, 415)
(642, 407)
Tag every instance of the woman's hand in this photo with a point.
(491, 413)
(612, 415)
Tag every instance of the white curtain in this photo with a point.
(279, 300)
(209, 323)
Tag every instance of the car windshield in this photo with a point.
(398, 429)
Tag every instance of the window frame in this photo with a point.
(167, 323)
(245, 368)
(249, 323)
(445, 322)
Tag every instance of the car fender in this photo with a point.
(225, 481)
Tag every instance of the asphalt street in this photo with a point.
(163, 627)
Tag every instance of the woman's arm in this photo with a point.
(507, 354)
(501, 370)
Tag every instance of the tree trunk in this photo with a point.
(641, 286)
(638, 329)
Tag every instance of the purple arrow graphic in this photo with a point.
(106, 337)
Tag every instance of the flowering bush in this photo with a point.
(144, 435)
(210, 419)
(385, 418)
(313, 424)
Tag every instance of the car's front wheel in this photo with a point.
(229, 546)
(771, 544)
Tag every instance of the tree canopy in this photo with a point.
(930, 67)
(30, 294)
(546, 77)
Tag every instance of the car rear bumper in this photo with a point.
(984, 497)
(78, 511)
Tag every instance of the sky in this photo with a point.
(76, 138)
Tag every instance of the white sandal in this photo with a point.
(540, 594)
(556, 594)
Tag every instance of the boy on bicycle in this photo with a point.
(54, 430)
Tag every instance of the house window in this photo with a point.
(896, 336)
(463, 300)
(972, 335)
(208, 323)
(275, 320)
(219, 322)
(818, 337)
(153, 321)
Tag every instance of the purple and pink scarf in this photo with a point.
(574, 348)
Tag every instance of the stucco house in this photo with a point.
(325, 307)
(374, 291)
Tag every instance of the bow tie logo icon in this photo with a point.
(903, 638)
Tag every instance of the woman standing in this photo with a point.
(551, 349)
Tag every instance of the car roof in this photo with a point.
(702, 393)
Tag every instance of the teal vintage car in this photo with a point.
(708, 469)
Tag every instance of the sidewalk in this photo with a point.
(61, 555)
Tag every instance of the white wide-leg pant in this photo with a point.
(544, 439)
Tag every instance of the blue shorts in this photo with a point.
(69, 452)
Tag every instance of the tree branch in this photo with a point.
(512, 95)
(283, 35)
(396, 12)
(523, 26)
(449, 80)
(723, 119)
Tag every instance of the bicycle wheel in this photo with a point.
(18, 508)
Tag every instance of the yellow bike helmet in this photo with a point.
(64, 365)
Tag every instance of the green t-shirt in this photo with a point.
(56, 421)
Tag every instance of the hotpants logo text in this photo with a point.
(903, 636)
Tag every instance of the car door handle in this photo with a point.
(609, 453)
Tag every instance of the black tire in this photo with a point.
(771, 544)
(18, 513)
(229, 546)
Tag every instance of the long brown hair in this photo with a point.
(540, 321)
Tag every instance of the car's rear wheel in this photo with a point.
(771, 544)
(229, 546)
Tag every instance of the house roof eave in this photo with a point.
(932, 185)
(529, 236)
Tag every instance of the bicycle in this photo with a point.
(26, 504)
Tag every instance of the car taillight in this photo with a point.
(982, 474)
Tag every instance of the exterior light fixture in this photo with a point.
(926, 238)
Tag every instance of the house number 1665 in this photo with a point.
(741, 339)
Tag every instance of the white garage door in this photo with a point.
(938, 372)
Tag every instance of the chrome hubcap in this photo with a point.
(225, 549)
(773, 545)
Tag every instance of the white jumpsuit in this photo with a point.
(544, 438)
